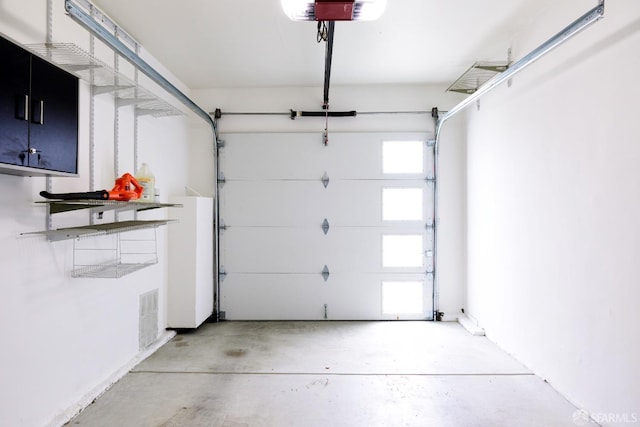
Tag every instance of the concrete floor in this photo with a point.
(274, 374)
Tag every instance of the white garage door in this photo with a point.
(342, 231)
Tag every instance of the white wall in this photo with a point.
(64, 337)
(554, 208)
(362, 99)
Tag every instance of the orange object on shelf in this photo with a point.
(126, 188)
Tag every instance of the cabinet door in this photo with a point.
(14, 103)
(53, 141)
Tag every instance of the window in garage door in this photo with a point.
(368, 224)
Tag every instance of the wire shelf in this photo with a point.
(115, 256)
(104, 78)
(111, 270)
(58, 206)
(108, 250)
(477, 75)
(100, 229)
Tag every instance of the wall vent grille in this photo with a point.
(148, 325)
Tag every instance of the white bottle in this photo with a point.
(145, 178)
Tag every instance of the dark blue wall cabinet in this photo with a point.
(38, 115)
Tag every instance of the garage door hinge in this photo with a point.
(325, 273)
(222, 226)
(430, 179)
(221, 143)
(325, 180)
(221, 274)
(325, 226)
(431, 142)
(221, 179)
(430, 226)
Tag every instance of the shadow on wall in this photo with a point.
(10, 19)
(16, 203)
(582, 55)
(518, 19)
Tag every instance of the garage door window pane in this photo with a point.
(402, 204)
(402, 251)
(402, 157)
(402, 298)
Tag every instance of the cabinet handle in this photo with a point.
(40, 113)
(26, 108)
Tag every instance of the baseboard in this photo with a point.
(470, 325)
(101, 388)
(448, 318)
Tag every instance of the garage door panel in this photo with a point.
(303, 156)
(279, 250)
(272, 250)
(360, 203)
(287, 156)
(273, 203)
(306, 203)
(359, 155)
(309, 297)
(359, 296)
(299, 250)
(273, 297)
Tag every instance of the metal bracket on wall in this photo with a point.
(110, 89)
(222, 274)
(222, 226)
(590, 17)
(476, 76)
(509, 60)
(221, 179)
(125, 102)
(221, 143)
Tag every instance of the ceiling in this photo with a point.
(251, 43)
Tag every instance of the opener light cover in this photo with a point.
(327, 10)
